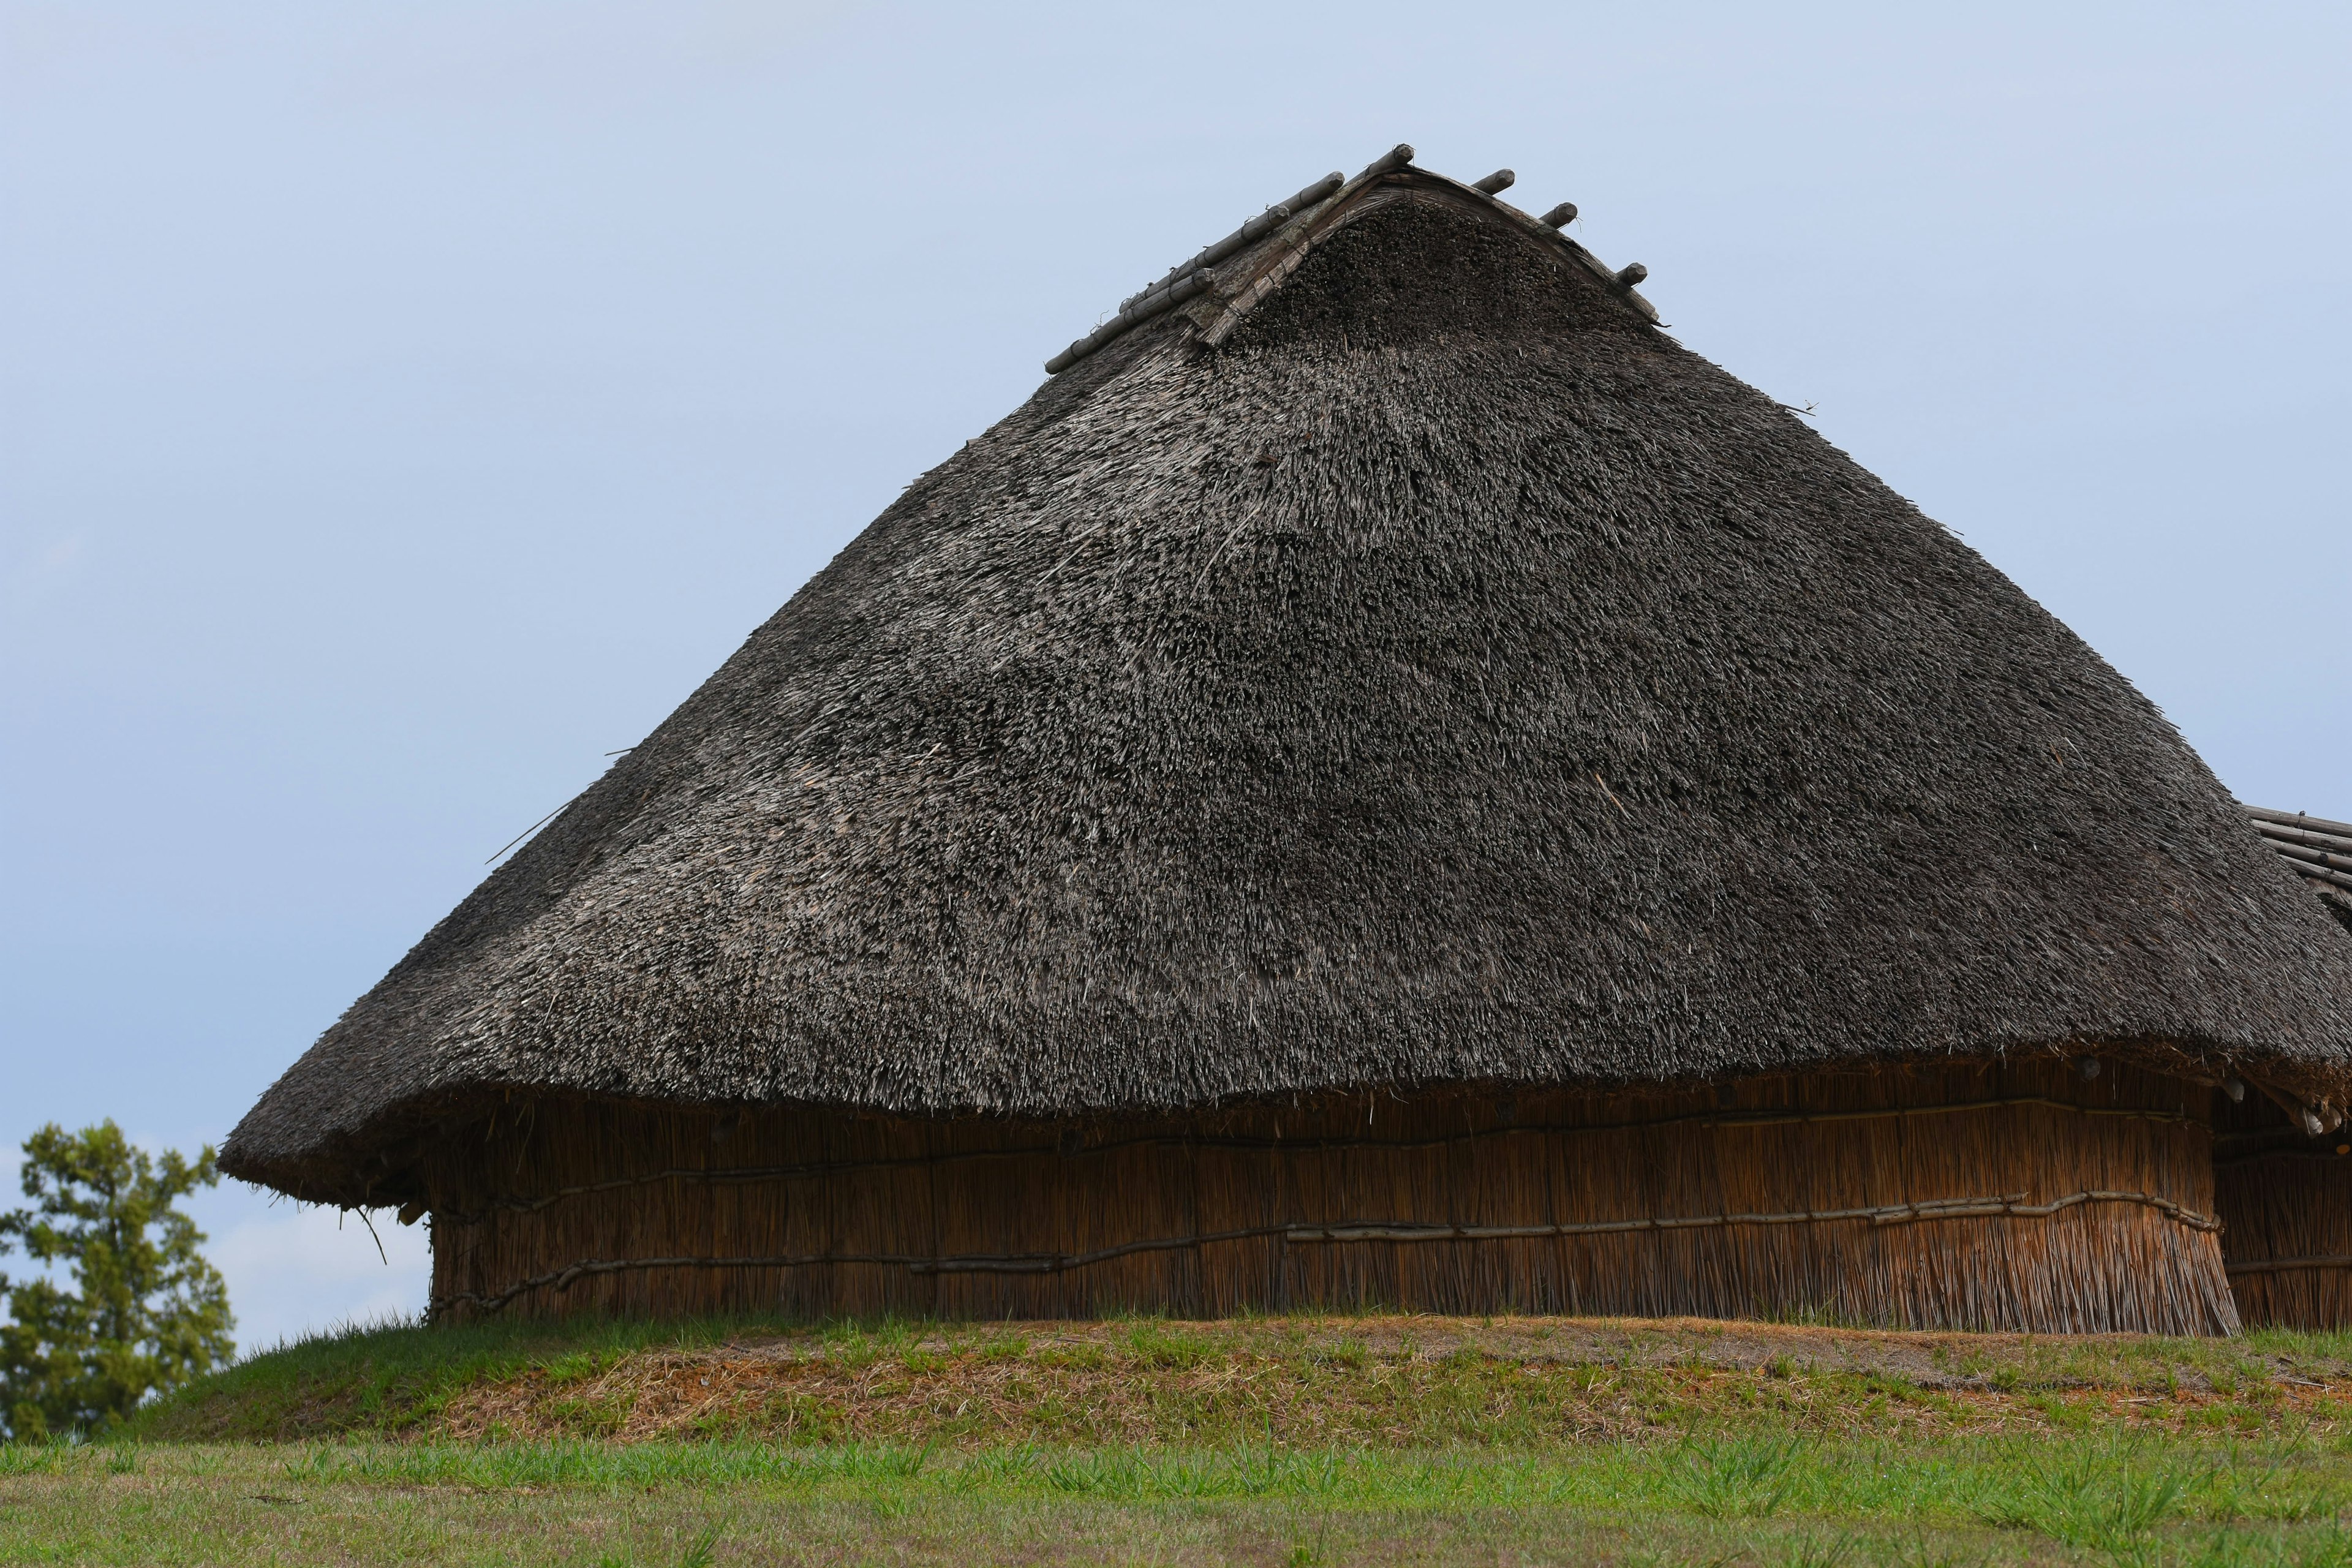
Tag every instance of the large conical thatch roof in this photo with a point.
(1399, 663)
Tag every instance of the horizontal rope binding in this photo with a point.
(2010, 1206)
(2291, 1265)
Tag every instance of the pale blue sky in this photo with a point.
(404, 404)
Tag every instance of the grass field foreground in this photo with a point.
(1293, 1440)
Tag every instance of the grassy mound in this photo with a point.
(1281, 1441)
(1395, 1383)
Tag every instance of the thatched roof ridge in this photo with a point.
(1247, 265)
(1400, 664)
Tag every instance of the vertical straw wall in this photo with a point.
(2019, 1196)
(2287, 1200)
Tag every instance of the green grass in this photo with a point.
(1761, 1498)
(1289, 1441)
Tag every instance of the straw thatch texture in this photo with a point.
(1445, 676)
(582, 1205)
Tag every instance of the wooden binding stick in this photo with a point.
(1396, 157)
(2319, 873)
(2303, 838)
(1496, 183)
(2014, 1205)
(2307, 835)
(1560, 216)
(2298, 819)
(1263, 224)
(2010, 1206)
(1126, 321)
(2336, 861)
(2312, 1121)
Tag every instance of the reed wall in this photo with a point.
(2286, 1201)
(2020, 1196)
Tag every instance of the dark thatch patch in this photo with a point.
(1436, 674)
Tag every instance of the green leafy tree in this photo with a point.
(146, 1311)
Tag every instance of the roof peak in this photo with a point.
(1222, 267)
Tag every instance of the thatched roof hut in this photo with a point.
(1387, 717)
